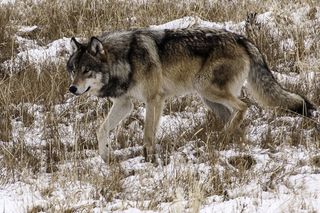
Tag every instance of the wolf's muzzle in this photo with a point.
(74, 90)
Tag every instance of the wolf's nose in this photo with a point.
(73, 89)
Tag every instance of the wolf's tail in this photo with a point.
(267, 90)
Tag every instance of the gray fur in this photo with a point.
(222, 112)
(268, 91)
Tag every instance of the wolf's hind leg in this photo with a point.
(240, 109)
(154, 108)
(227, 99)
(120, 109)
(220, 110)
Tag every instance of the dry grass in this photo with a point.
(7, 42)
(83, 18)
(47, 89)
(60, 18)
(28, 86)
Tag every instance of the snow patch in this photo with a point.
(54, 52)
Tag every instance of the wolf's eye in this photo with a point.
(86, 71)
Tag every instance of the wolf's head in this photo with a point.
(98, 71)
(86, 67)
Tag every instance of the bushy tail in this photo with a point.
(267, 90)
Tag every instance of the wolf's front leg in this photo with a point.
(120, 109)
(154, 108)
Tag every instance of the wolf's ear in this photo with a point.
(95, 46)
(74, 44)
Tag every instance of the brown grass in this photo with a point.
(19, 157)
(7, 42)
(243, 162)
(28, 86)
(59, 18)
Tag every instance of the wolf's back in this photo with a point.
(267, 90)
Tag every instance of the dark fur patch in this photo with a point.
(174, 39)
(197, 42)
(114, 88)
(221, 75)
(137, 50)
(140, 54)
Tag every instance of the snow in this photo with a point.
(18, 197)
(53, 52)
(295, 186)
(27, 29)
(7, 2)
(13, 2)
(185, 22)
(193, 21)
(303, 194)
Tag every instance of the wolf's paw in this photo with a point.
(106, 157)
(157, 157)
(150, 155)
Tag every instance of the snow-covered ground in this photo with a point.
(284, 178)
(7, 1)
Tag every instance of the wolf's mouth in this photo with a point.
(87, 90)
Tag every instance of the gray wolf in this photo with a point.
(151, 65)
